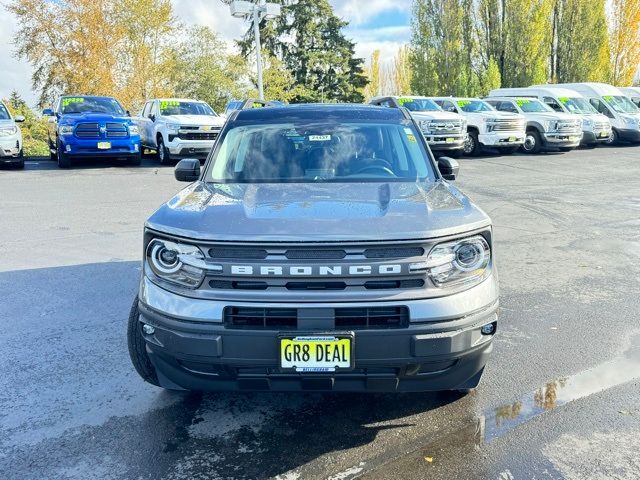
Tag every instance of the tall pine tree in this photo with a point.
(309, 41)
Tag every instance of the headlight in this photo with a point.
(174, 127)
(458, 262)
(65, 129)
(133, 130)
(177, 263)
(551, 126)
(8, 131)
(587, 122)
(490, 124)
(631, 121)
(425, 126)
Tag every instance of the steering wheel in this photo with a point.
(377, 165)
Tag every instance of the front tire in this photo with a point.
(532, 142)
(63, 159)
(137, 347)
(613, 139)
(472, 146)
(163, 153)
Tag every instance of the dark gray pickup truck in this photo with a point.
(320, 247)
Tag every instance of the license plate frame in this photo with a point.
(512, 139)
(317, 338)
(104, 145)
(450, 140)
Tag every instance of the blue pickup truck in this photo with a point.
(90, 127)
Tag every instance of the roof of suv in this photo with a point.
(313, 111)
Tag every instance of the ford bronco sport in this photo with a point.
(320, 247)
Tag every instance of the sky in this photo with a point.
(373, 24)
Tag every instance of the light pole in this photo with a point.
(259, 10)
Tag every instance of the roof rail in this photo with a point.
(257, 103)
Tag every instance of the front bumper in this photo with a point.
(10, 148)
(590, 137)
(441, 349)
(629, 135)
(445, 142)
(502, 139)
(88, 148)
(190, 148)
(562, 139)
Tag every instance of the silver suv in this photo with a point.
(321, 247)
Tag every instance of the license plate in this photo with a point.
(604, 134)
(450, 140)
(315, 353)
(512, 139)
(104, 145)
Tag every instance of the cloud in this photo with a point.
(359, 12)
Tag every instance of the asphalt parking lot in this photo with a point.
(560, 397)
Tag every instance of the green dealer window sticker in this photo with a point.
(522, 101)
(404, 100)
(608, 98)
(169, 103)
(463, 103)
(564, 100)
(68, 101)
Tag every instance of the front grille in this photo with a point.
(116, 130)
(186, 133)
(304, 254)
(601, 126)
(445, 127)
(504, 125)
(87, 130)
(569, 127)
(372, 317)
(258, 318)
(402, 252)
(238, 253)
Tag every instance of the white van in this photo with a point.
(632, 93)
(608, 100)
(596, 128)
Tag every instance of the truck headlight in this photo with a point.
(425, 126)
(631, 121)
(177, 263)
(133, 130)
(173, 127)
(587, 123)
(8, 131)
(458, 262)
(490, 124)
(65, 129)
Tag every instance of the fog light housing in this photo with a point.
(488, 329)
(148, 329)
(68, 148)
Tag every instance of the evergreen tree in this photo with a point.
(308, 39)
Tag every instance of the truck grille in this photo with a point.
(446, 127)
(257, 318)
(569, 126)
(92, 130)
(194, 133)
(508, 125)
(300, 272)
(598, 126)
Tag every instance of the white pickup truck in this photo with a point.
(486, 127)
(178, 128)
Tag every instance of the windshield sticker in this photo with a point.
(68, 101)
(410, 136)
(319, 138)
(608, 98)
(169, 103)
(404, 100)
(522, 101)
(257, 105)
(464, 103)
(564, 99)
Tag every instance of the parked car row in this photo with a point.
(541, 117)
(532, 119)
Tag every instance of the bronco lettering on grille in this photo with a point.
(319, 270)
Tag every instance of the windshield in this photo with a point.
(4, 113)
(621, 104)
(577, 105)
(91, 105)
(321, 152)
(474, 106)
(175, 107)
(529, 105)
(419, 104)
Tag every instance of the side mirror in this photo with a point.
(187, 170)
(448, 168)
(128, 113)
(18, 118)
(47, 112)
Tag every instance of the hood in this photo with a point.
(436, 115)
(196, 120)
(7, 123)
(318, 212)
(553, 116)
(73, 118)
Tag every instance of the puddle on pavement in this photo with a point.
(494, 423)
